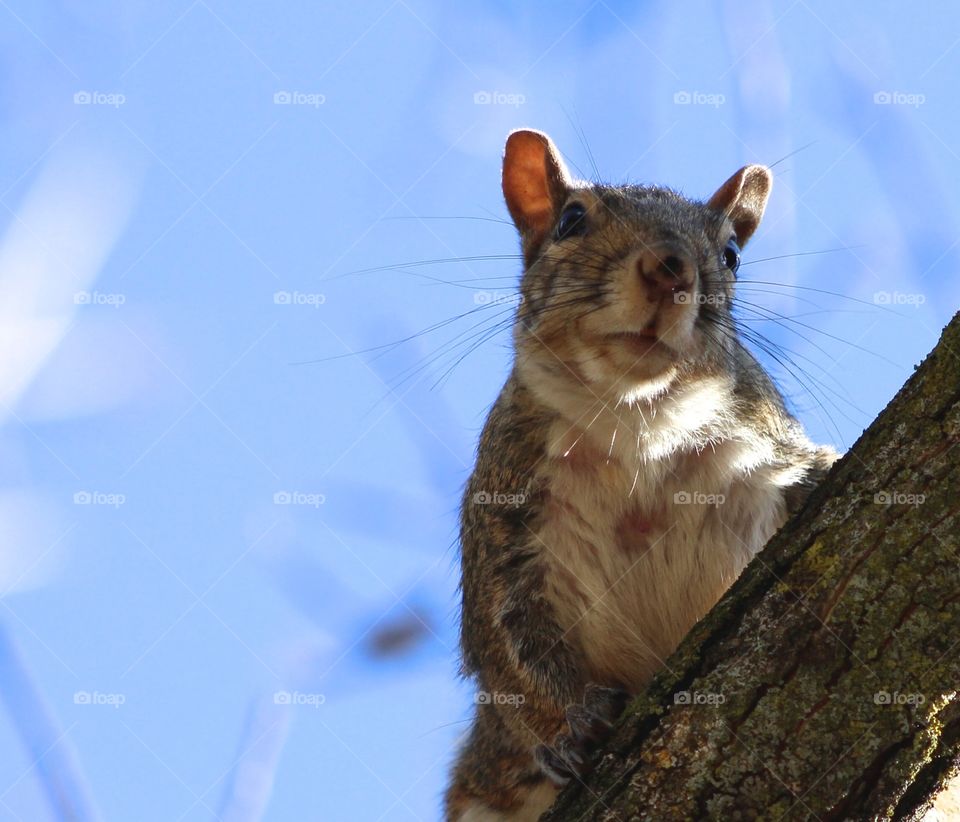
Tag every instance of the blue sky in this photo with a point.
(228, 568)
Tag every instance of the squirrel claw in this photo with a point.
(552, 765)
(587, 727)
(590, 723)
(607, 703)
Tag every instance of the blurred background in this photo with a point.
(228, 501)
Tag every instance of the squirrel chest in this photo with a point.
(636, 550)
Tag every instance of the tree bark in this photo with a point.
(824, 685)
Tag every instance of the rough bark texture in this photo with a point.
(824, 685)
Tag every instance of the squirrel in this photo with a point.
(636, 459)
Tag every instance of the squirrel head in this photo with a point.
(625, 288)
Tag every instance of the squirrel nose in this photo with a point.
(666, 270)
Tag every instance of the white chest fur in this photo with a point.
(640, 539)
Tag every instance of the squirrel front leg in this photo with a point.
(529, 668)
(525, 669)
(567, 715)
(537, 717)
(531, 657)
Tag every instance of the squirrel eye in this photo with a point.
(731, 256)
(572, 221)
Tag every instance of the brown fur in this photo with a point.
(581, 561)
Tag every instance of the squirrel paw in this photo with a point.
(589, 724)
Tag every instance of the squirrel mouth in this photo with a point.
(638, 341)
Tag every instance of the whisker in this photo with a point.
(836, 294)
(450, 217)
(476, 258)
(795, 151)
(793, 254)
(810, 314)
(788, 357)
(555, 307)
(391, 345)
(789, 366)
(581, 135)
(785, 318)
(484, 333)
(753, 335)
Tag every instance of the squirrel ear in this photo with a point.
(535, 183)
(743, 198)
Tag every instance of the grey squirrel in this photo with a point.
(636, 459)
